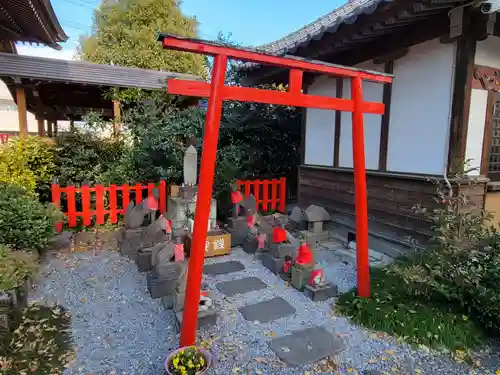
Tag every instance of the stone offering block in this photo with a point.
(267, 311)
(160, 287)
(218, 243)
(306, 346)
(300, 277)
(178, 301)
(238, 236)
(275, 265)
(129, 241)
(206, 319)
(282, 250)
(240, 286)
(321, 293)
(223, 268)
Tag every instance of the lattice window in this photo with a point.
(494, 157)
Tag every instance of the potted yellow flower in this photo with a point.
(189, 360)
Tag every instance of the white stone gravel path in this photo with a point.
(118, 329)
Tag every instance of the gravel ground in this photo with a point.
(118, 329)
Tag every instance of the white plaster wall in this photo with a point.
(320, 125)
(487, 54)
(421, 108)
(372, 92)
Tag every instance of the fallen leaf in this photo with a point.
(372, 361)
(390, 352)
(260, 360)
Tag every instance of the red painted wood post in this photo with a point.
(256, 194)
(113, 214)
(358, 150)
(150, 188)
(56, 201)
(86, 209)
(274, 193)
(163, 196)
(125, 197)
(99, 205)
(138, 194)
(71, 199)
(282, 195)
(207, 168)
(247, 188)
(265, 195)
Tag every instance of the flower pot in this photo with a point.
(206, 355)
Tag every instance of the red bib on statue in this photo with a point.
(250, 221)
(304, 255)
(236, 197)
(279, 235)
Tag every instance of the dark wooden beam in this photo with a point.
(384, 126)
(488, 125)
(303, 132)
(338, 124)
(404, 38)
(464, 71)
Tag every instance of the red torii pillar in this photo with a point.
(216, 91)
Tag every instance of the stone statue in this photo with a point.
(190, 166)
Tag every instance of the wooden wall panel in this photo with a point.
(391, 197)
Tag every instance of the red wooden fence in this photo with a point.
(102, 194)
(274, 199)
(269, 194)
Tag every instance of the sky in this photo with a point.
(250, 22)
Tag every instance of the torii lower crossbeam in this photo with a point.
(216, 91)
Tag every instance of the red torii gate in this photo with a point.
(216, 91)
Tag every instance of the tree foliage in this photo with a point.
(124, 33)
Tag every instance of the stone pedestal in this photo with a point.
(206, 319)
(321, 293)
(163, 283)
(250, 245)
(282, 250)
(167, 302)
(188, 192)
(143, 260)
(300, 277)
(313, 239)
(178, 209)
(178, 301)
(275, 265)
(239, 230)
(129, 241)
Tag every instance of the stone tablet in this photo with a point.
(190, 166)
(306, 346)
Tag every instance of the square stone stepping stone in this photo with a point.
(267, 311)
(223, 268)
(240, 286)
(305, 346)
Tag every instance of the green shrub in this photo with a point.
(82, 155)
(14, 168)
(25, 223)
(15, 268)
(29, 159)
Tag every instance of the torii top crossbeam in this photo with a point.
(216, 91)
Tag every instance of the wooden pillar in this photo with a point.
(72, 125)
(22, 112)
(117, 117)
(464, 71)
(384, 126)
(49, 128)
(55, 128)
(41, 126)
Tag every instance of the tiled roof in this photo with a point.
(82, 72)
(329, 23)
